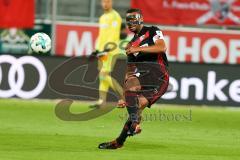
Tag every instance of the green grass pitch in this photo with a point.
(29, 130)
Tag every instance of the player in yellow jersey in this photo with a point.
(109, 32)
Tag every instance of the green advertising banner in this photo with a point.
(16, 41)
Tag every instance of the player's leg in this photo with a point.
(141, 92)
(119, 141)
(106, 65)
(103, 87)
(128, 128)
(136, 101)
(112, 81)
(135, 104)
(103, 83)
(131, 88)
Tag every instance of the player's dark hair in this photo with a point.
(131, 10)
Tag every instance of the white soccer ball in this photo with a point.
(40, 43)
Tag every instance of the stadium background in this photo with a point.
(204, 67)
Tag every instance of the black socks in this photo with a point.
(124, 134)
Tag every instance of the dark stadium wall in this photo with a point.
(196, 84)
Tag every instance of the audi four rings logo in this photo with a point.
(16, 68)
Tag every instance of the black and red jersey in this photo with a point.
(146, 37)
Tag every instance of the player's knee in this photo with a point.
(131, 87)
(134, 88)
(132, 84)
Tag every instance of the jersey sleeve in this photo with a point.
(156, 34)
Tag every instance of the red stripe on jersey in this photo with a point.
(137, 42)
(164, 85)
(161, 63)
(161, 90)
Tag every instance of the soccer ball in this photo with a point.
(40, 43)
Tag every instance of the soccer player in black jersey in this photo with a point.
(146, 77)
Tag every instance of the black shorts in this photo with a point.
(151, 79)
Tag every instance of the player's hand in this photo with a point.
(121, 103)
(128, 46)
(93, 55)
(132, 50)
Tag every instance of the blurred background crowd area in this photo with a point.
(90, 10)
(77, 10)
